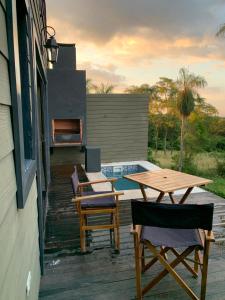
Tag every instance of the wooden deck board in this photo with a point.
(103, 274)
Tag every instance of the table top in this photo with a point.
(166, 180)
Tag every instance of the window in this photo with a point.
(26, 85)
(23, 112)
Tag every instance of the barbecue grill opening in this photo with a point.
(67, 131)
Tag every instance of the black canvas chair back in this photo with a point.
(75, 181)
(180, 216)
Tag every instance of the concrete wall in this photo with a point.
(19, 250)
(118, 124)
(67, 90)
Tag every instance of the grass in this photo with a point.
(217, 187)
(206, 165)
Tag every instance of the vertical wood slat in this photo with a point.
(3, 35)
(5, 97)
(6, 136)
(7, 185)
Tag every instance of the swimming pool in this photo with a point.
(119, 172)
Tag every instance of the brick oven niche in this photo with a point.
(66, 132)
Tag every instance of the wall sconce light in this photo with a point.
(51, 45)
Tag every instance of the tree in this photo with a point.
(88, 85)
(166, 92)
(142, 89)
(103, 88)
(187, 84)
(221, 31)
(154, 107)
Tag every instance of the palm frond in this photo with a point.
(221, 31)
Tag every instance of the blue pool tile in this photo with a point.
(119, 172)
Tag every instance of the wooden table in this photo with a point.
(167, 181)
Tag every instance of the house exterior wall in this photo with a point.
(19, 230)
(118, 124)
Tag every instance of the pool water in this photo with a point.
(119, 172)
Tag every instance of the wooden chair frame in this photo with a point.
(83, 213)
(200, 260)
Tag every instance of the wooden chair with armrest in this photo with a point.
(165, 227)
(92, 203)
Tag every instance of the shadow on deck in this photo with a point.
(102, 274)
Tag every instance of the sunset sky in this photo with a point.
(130, 42)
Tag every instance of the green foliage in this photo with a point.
(221, 31)
(151, 156)
(102, 88)
(186, 102)
(88, 85)
(220, 165)
(217, 187)
(142, 89)
(201, 164)
(174, 104)
(188, 164)
(220, 144)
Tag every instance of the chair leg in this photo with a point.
(196, 261)
(189, 268)
(142, 258)
(169, 268)
(154, 259)
(205, 270)
(138, 268)
(118, 230)
(82, 235)
(111, 231)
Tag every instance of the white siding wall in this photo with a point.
(19, 250)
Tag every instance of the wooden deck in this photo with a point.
(103, 274)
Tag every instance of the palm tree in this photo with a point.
(187, 84)
(103, 88)
(221, 31)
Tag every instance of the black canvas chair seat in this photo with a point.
(169, 237)
(108, 201)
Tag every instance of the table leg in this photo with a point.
(143, 192)
(188, 191)
(161, 195)
(171, 198)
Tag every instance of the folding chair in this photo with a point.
(90, 203)
(165, 227)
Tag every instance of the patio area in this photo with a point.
(101, 273)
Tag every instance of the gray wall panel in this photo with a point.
(118, 124)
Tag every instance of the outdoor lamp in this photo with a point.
(51, 45)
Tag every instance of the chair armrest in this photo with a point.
(136, 231)
(82, 184)
(96, 196)
(209, 236)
